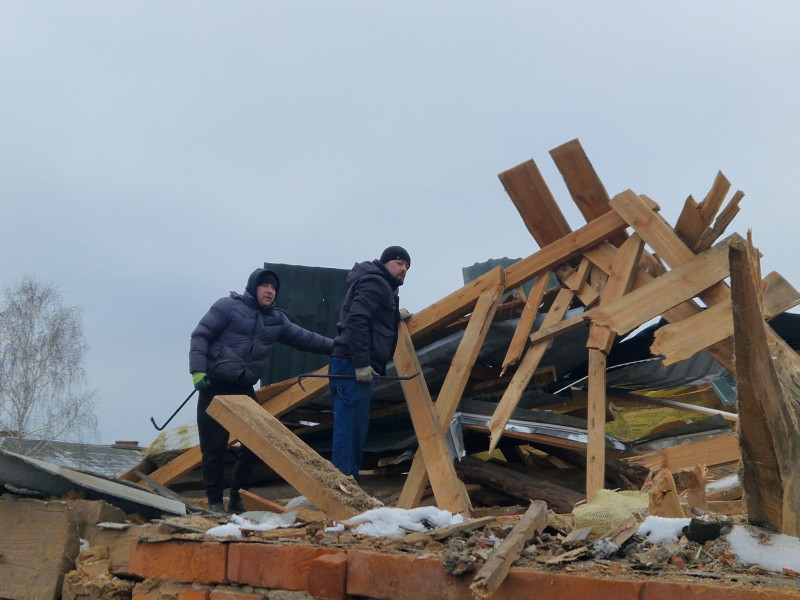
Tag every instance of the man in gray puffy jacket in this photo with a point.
(228, 352)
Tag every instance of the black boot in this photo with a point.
(235, 504)
(216, 506)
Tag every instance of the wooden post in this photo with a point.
(768, 397)
(448, 490)
(596, 425)
(453, 388)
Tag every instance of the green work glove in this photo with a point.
(365, 374)
(200, 380)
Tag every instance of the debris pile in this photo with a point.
(625, 354)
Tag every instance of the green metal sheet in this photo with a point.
(311, 297)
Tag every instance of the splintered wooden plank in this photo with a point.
(779, 295)
(596, 424)
(585, 187)
(526, 321)
(694, 480)
(655, 231)
(453, 388)
(715, 197)
(686, 281)
(663, 498)
(524, 373)
(768, 406)
(678, 341)
(603, 256)
(718, 450)
(623, 274)
(448, 490)
(711, 234)
(577, 281)
(534, 202)
(336, 495)
(694, 223)
(457, 304)
(658, 234)
(690, 224)
(497, 566)
(681, 340)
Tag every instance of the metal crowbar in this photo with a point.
(173, 414)
(385, 377)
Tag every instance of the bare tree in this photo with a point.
(43, 392)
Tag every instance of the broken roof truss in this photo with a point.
(624, 267)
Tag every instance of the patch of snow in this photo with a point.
(721, 484)
(227, 530)
(660, 529)
(397, 522)
(774, 551)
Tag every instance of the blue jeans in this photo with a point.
(350, 400)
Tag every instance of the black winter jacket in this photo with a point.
(233, 340)
(369, 317)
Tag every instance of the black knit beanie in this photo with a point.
(395, 252)
(269, 277)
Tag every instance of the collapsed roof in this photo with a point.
(548, 331)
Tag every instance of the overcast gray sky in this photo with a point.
(154, 153)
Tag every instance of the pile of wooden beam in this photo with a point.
(625, 267)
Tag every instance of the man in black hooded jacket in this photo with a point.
(366, 341)
(228, 352)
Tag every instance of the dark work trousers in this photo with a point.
(351, 400)
(214, 442)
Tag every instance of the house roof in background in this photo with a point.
(106, 461)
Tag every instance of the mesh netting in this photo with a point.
(609, 509)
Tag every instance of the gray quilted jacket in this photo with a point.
(233, 340)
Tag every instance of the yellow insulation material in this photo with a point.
(635, 422)
(609, 509)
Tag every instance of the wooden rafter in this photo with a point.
(528, 191)
(526, 320)
(524, 373)
(585, 187)
(453, 388)
(447, 488)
